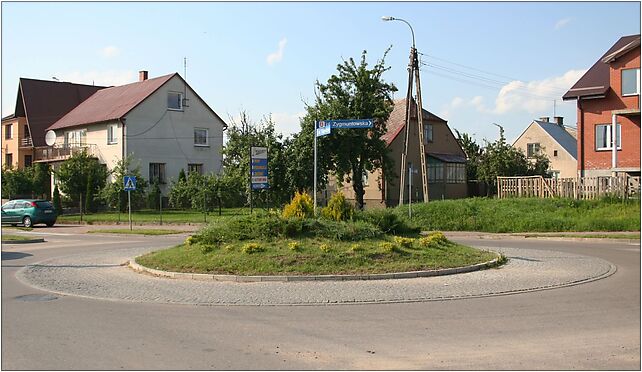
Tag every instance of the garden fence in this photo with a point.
(576, 188)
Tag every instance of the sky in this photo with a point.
(482, 62)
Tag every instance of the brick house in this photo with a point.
(607, 94)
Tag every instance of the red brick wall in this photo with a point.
(598, 111)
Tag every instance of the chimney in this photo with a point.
(544, 119)
(142, 75)
(559, 120)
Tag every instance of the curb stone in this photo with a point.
(40, 240)
(300, 278)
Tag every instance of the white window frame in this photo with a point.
(607, 137)
(76, 138)
(536, 149)
(180, 101)
(207, 137)
(637, 82)
(112, 134)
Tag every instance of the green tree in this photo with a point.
(56, 200)
(17, 183)
(75, 172)
(181, 175)
(354, 92)
(114, 194)
(89, 194)
(473, 154)
(41, 180)
(153, 196)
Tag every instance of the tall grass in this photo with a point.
(526, 215)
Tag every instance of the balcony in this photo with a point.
(26, 142)
(64, 152)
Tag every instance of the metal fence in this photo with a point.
(576, 188)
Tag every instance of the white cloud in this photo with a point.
(110, 51)
(456, 102)
(278, 55)
(561, 23)
(533, 96)
(105, 78)
(287, 123)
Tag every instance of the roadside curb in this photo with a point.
(41, 240)
(307, 278)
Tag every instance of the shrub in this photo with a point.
(294, 246)
(250, 248)
(387, 221)
(433, 240)
(56, 200)
(191, 240)
(404, 242)
(338, 208)
(356, 248)
(346, 231)
(324, 248)
(301, 206)
(207, 248)
(388, 247)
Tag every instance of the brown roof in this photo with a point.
(44, 102)
(595, 82)
(111, 103)
(397, 120)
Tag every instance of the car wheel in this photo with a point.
(27, 221)
(49, 224)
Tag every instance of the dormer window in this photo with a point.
(175, 101)
(631, 82)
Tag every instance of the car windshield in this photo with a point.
(44, 204)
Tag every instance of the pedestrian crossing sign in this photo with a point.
(129, 183)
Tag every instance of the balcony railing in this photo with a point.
(26, 142)
(48, 153)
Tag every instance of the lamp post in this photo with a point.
(413, 71)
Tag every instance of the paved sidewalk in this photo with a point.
(102, 275)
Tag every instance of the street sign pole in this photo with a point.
(129, 202)
(315, 167)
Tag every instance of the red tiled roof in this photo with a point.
(44, 102)
(111, 103)
(397, 120)
(595, 82)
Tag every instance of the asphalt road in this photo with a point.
(594, 325)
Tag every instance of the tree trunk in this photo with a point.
(357, 185)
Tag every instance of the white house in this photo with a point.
(161, 123)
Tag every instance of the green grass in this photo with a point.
(136, 231)
(9, 237)
(526, 215)
(318, 256)
(151, 216)
(18, 228)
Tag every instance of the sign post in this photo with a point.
(129, 184)
(324, 127)
(258, 170)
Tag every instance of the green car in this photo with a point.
(29, 212)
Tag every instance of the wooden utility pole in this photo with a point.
(413, 72)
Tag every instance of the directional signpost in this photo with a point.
(324, 127)
(129, 185)
(258, 170)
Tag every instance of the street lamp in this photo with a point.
(413, 71)
(389, 18)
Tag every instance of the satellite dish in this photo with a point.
(50, 138)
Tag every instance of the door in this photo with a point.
(7, 213)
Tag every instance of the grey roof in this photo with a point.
(561, 136)
(448, 158)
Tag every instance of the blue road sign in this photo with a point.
(259, 168)
(129, 183)
(323, 128)
(348, 123)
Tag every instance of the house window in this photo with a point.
(435, 171)
(554, 152)
(27, 134)
(175, 101)
(76, 138)
(603, 137)
(555, 174)
(28, 160)
(200, 137)
(195, 168)
(8, 160)
(532, 149)
(112, 134)
(428, 133)
(157, 172)
(631, 82)
(364, 178)
(8, 131)
(455, 173)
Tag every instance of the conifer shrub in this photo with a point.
(338, 208)
(301, 206)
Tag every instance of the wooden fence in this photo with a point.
(576, 188)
